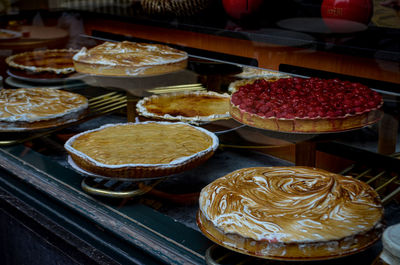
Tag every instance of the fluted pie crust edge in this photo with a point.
(282, 251)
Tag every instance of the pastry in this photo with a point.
(30, 108)
(194, 107)
(304, 105)
(141, 150)
(42, 63)
(290, 213)
(129, 59)
(174, 7)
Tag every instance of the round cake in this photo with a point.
(290, 213)
(141, 150)
(304, 105)
(36, 108)
(42, 63)
(129, 59)
(192, 107)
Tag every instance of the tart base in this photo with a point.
(140, 171)
(43, 124)
(128, 71)
(289, 252)
(304, 125)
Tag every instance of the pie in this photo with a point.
(129, 59)
(141, 150)
(34, 108)
(305, 105)
(194, 107)
(42, 64)
(290, 213)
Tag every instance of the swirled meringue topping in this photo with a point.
(290, 204)
(36, 104)
(130, 54)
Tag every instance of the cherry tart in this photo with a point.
(304, 105)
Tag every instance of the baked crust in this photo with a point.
(316, 124)
(43, 63)
(141, 150)
(290, 213)
(194, 107)
(38, 108)
(129, 59)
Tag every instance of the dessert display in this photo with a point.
(129, 59)
(290, 213)
(42, 64)
(194, 107)
(37, 108)
(303, 105)
(141, 150)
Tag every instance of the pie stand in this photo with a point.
(115, 187)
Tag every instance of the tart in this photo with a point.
(193, 107)
(36, 108)
(303, 105)
(42, 64)
(129, 59)
(290, 213)
(141, 150)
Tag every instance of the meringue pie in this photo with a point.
(129, 59)
(290, 213)
(30, 108)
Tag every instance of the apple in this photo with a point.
(240, 8)
(353, 10)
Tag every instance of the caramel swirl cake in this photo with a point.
(42, 63)
(141, 150)
(26, 108)
(290, 213)
(192, 107)
(305, 105)
(129, 59)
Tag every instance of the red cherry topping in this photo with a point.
(296, 97)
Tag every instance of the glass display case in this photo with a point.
(72, 217)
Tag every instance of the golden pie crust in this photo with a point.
(37, 108)
(141, 150)
(290, 213)
(129, 59)
(43, 63)
(193, 107)
(302, 125)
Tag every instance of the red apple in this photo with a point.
(240, 8)
(353, 10)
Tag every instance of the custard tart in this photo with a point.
(129, 59)
(304, 105)
(42, 63)
(290, 213)
(193, 107)
(141, 150)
